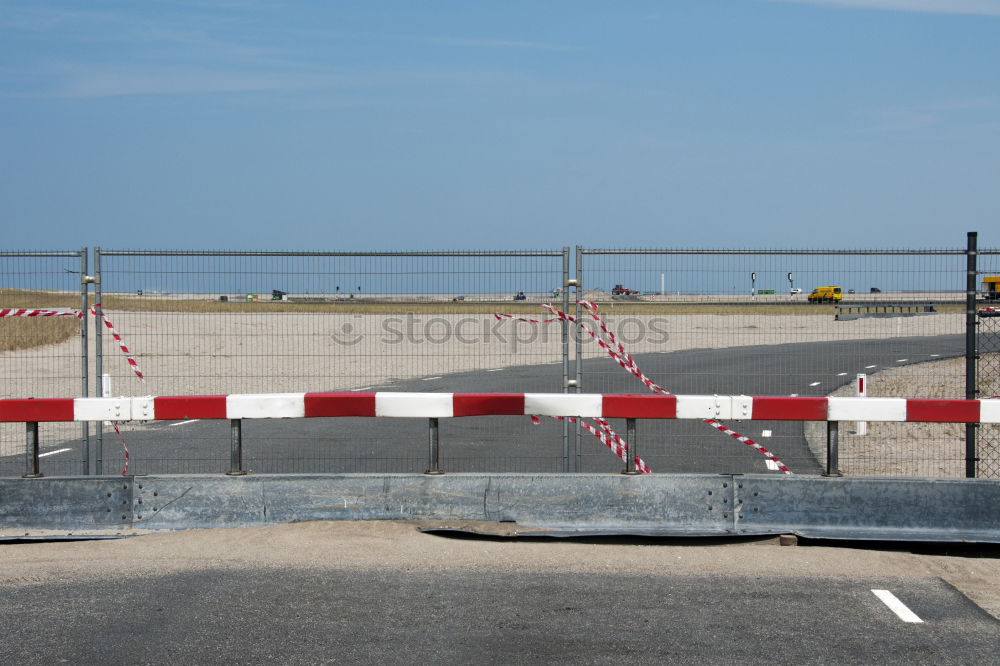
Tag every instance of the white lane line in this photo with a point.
(495, 370)
(815, 383)
(933, 355)
(427, 379)
(902, 360)
(181, 422)
(363, 388)
(896, 606)
(52, 453)
(841, 374)
(793, 395)
(869, 367)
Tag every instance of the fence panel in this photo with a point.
(988, 363)
(43, 351)
(264, 322)
(730, 321)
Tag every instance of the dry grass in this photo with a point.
(23, 333)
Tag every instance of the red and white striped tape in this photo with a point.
(626, 361)
(458, 405)
(67, 312)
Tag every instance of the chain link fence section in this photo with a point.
(265, 322)
(43, 356)
(988, 361)
(744, 321)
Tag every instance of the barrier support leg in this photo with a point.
(31, 451)
(633, 447)
(832, 450)
(434, 441)
(236, 448)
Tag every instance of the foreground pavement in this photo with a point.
(349, 592)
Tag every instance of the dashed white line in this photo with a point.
(933, 355)
(869, 367)
(902, 360)
(181, 422)
(427, 379)
(841, 374)
(896, 606)
(363, 388)
(52, 453)
(495, 370)
(815, 383)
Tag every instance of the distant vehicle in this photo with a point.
(876, 290)
(795, 290)
(458, 298)
(831, 294)
(619, 290)
(519, 296)
(990, 288)
(850, 291)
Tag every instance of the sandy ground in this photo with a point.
(399, 546)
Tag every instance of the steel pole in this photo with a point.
(971, 352)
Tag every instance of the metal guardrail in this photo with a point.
(860, 310)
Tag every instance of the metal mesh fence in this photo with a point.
(42, 356)
(730, 321)
(698, 322)
(258, 322)
(988, 375)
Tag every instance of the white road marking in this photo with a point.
(933, 355)
(793, 395)
(181, 422)
(427, 379)
(52, 453)
(363, 388)
(868, 367)
(896, 606)
(902, 360)
(815, 383)
(841, 374)
(766, 433)
(495, 370)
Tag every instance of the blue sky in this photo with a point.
(378, 125)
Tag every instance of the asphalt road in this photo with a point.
(513, 444)
(326, 615)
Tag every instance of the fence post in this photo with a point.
(31, 451)
(236, 448)
(577, 334)
(566, 284)
(434, 452)
(832, 450)
(85, 280)
(971, 353)
(98, 359)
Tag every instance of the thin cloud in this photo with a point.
(977, 7)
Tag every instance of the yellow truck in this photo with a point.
(831, 294)
(990, 288)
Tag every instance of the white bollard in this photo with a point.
(862, 426)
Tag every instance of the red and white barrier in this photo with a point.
(457, 405)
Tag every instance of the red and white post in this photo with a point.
(862, 426)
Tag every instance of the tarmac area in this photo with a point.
(406, 592)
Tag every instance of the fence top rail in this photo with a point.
(449, 405)
(275, 253)
(783, 252)
(43, 253)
